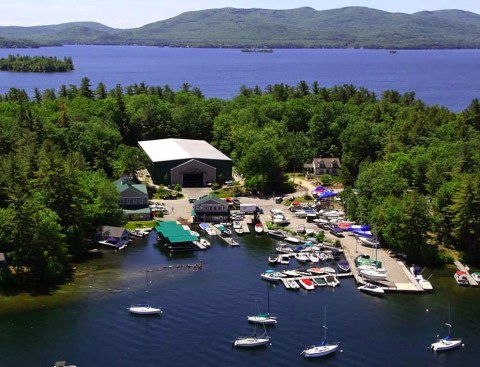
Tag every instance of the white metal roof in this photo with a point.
(174, 149)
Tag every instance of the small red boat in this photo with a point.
(307, 284)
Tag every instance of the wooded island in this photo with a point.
(36, 64)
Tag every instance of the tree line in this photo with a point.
(410, 170)
(36, 64)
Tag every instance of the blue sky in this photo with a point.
(135, 13)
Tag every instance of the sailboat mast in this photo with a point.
(325, 323)
(268, 300)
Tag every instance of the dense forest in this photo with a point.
(36, 64)
(410, 170)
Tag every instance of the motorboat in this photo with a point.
(322, 349)
(319, 281)
(343, 266)
(273, 259)
(424, 283)
(373, 274)
(368, 242)
(284, 249)
(293, 273)
(302, 257)
(279, 235)
(318, 271)
(461, 277)
(294, 240)
(293, 284)
(210, 231)
(476, 276)
(239, 231)
(237, 224)
(332, 280)
(314, 257)
(306, 284)
(259, 228)
(272, 275)
(283, 259)
(144, 309)
(372, 289)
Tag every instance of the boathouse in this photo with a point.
(210, 209)
(174, 237)
(115, 236)
(190, 163)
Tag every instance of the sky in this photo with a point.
(136, 13)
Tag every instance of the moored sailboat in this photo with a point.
(446, 342)
(266, 318)
(324, 348)
(145, 308)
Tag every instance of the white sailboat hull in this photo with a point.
(446, 344)
(251, 341)
(320, 351)
(266, 320)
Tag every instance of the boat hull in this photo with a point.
(251, 342)
(145, 310)
(265, 320)
(443, 344)
(320, 351)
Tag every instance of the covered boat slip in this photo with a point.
(175, 237)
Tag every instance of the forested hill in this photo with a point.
(303, 27)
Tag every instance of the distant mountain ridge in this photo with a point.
(357, 27)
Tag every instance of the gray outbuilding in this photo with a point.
(190, 163)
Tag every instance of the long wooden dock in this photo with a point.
(462, 267)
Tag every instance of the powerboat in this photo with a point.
(272, 275)
(372, 289)
(279, 235)
(461, 277)
(343, 266)
(307, 284)
(144, 309)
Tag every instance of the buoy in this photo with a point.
(427, 310)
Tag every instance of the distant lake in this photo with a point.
(446, 77)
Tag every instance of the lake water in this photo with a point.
(87, 323)
(446, 77)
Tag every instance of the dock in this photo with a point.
(462, 267)
(324, 276)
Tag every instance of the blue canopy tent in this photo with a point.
(326, 194)
(317, 190)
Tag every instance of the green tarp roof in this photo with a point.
(174, 233)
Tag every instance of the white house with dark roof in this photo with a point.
(322, 166)
(190, 163)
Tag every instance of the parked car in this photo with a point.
(278, 199)
(259, 210)
(192, 200)
(229, 183)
